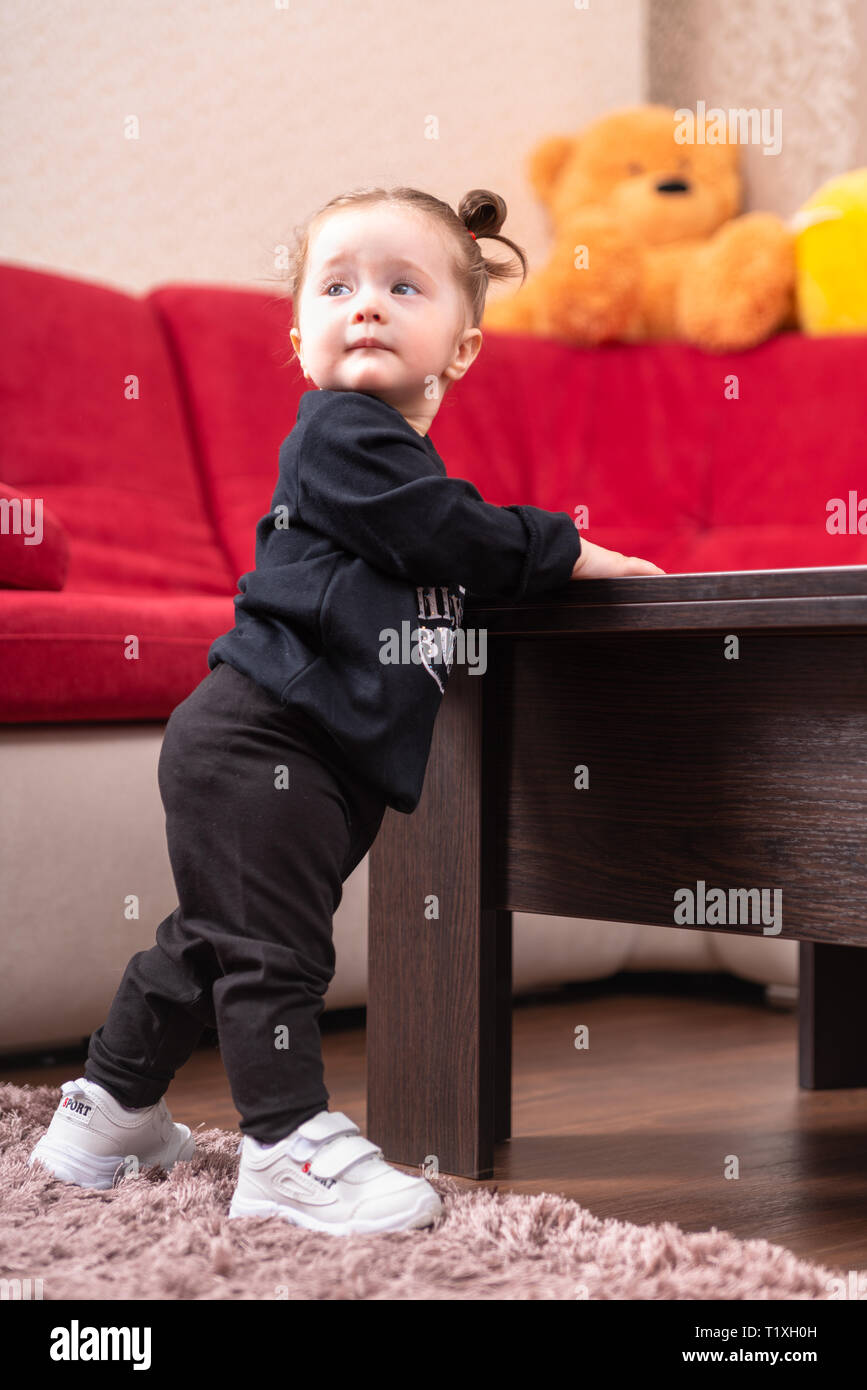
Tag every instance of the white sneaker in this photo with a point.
(91, 1136)
(326, 1177)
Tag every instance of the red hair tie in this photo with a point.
(472, 234)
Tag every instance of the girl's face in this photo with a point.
(381, 272)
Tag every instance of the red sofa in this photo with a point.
(159, 486)
(150, 427)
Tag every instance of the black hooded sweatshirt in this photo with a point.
(362, 565)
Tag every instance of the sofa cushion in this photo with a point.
(567, 428)
(103, 656)
(242, 383)
(669, 467)
(94, 422)
(779, 454)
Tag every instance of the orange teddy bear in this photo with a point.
(648, 244)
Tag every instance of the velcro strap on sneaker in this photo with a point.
(334, 1159)
(326, 1125)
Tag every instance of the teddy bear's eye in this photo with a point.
(635, 168)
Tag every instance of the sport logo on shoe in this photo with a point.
(326, 1182)
(77, 1109)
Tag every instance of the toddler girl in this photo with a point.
(276, 771)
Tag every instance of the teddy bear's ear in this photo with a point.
(547, 160)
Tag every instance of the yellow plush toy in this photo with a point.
(831, 255)
(648, 244)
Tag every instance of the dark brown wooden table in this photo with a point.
(744, 771)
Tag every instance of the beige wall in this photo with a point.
(252, 113)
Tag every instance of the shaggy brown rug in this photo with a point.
(168, 1236)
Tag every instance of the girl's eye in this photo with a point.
(331, 283)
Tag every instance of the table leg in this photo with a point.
(439, 981)
(832, 1049)
(503, 1028)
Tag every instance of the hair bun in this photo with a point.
(482, 212)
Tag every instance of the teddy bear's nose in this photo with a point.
(672, 186)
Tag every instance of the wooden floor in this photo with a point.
(683, 1075)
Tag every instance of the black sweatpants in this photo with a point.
(264, 822)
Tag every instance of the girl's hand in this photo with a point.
(595, 562)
